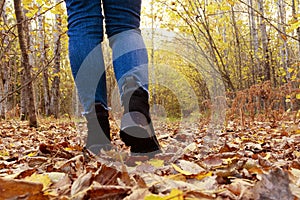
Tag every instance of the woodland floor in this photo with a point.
(259, 160)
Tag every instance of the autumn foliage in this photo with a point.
(255, 162)
(240, 143)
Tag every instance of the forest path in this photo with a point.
(255, 162)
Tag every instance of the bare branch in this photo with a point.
(1, 6)
(34, 76)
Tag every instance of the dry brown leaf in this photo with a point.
(229, 148)
(255, 170)
(295, 164)
(294, 175)
(73, 166)
(81, 183)
(11, 188)
(107, 175)
(228, 165)
(212, 161)
(61, 183)
(36, 161)
(239, 186)
(200, 195)
(139, 181)
(97, 191)
(164, 184)
(190, 167)
(273, 186)
(295, 190)
(145, 168)
(265, 163)
(138, 194)
(25, 173)
(125, 178)
(133, 160)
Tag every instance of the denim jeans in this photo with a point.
(86, 32)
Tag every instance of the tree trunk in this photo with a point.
(284, 47)
(237, 50)
(264, 39)
(294, 11)
(23, 100)
(3, 77)
(7, 71)
(2, 3)
(56, 80)
(30, 104)
(254, 41)
(42, 63)
(2, 81)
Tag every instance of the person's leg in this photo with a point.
(130, 61)
(85, 23)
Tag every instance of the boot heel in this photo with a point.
(137, 133)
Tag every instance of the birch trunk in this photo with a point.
(238, 49)
(6, 70)
(294, 11)
(254, 41)
(56, 80)
(42, 65)
(3, 77)
(284, 55)
(30, 104)
(264, 40)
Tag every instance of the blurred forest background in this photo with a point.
(254, 46)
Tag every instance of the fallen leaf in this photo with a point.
(195, 195)
(229, 148)
(40, 178)
(295, 176)
(56, 177)
(138, 194)
(35, 161)
(203, 175)
(178, 169)
(11, 188)
(81, 183)
(295, 190)
(107, 175)
(134, 160)
(175, 194)
(156, 162)
(177, 177)
(145, 168)
(213, 161)
(25, 173)
(274, 185)
(32, 154)
(187, 168)
(238, 186)
(106, 191)
(164, 184)
(190, 148)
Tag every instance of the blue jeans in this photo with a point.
(86, 32)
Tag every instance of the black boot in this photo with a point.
(136, 127)
(98, 130)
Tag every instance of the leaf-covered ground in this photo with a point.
(255, 161)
